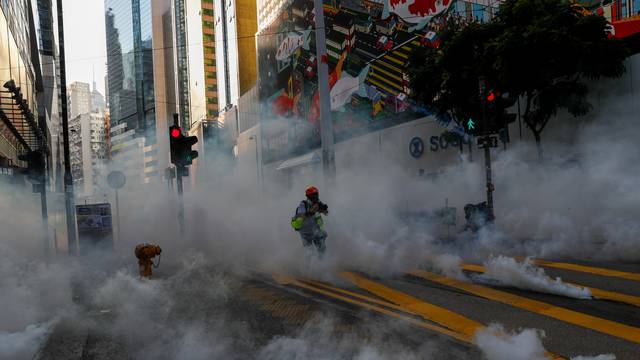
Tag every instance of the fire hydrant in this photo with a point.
(145, 253)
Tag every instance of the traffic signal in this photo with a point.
(496, 111)
(180, 145)
(35, 165)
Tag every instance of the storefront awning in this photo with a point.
(306, 159)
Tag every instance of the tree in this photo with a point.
(543, 51)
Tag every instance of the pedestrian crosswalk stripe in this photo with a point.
(405, 303)
(597, 293)
(288, 280)
(608, 327)
(437, 314)
(589, 269)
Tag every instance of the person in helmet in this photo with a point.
(308, 222)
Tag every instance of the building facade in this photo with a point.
(236, 25)
(89, 153)
(141, 81)
(127, 153)
(79, 98)
(20, 121)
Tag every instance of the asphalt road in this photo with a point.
(418, 312)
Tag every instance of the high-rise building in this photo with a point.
(20, 129)
(130, 65)
(50, 105)
(200, 67)
(89, 152)
(209, 54)
(236, 25)
(138, 77)
(127, 151)
(97, 101)
(79, 98)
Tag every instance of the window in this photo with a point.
(210, 62)
(208, 12)
(212, 88)
(211, 75)
(208, 38)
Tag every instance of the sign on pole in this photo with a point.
(116, 180)
(95, 228)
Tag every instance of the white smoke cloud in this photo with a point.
(22, 345)
(506, 271)
(498, 344)
(321, 338)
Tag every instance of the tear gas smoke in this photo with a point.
(582, 202)
(320, 338)
(526, 344)
(506, 271)
(496, 344)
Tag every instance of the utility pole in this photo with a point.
(68, 180)
(326, 126)
(487, 148)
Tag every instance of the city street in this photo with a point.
(418, 313)
(319, 179)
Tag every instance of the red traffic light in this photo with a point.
(175, 132)
(491, 96)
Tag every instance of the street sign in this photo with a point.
(116, 179)
(95, 228)
(491, 141)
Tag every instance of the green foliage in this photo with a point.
(540, 50)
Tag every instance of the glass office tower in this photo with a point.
(130, 66)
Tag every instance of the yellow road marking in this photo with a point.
(287, 280)
(598, 293)
(589, 269)
(414, 308)
(608, 327)
(428, 311)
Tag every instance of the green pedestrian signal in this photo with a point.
(470, 124)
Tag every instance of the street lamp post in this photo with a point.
(68, 179)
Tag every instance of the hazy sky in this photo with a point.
(85, 44)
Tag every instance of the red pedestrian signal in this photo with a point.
(491, 96)
(175, 132)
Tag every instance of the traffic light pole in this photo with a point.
(487, 149)
(68, 180)
(179, 170)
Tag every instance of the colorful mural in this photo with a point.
(369, 47)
